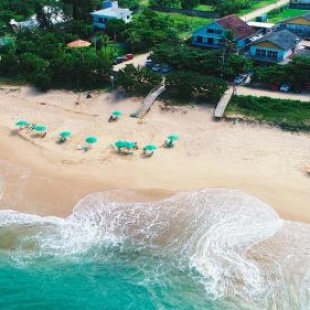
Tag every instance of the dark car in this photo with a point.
(119, 60)
(274, 86)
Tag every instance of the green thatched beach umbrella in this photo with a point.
(150, 147)
(40, 128)
(91, 140)
(173, 138)
(125, 144)
(120, 144)
(117, 114)
(129, 145)
(170, 139)
(65, 134)
(22, 124)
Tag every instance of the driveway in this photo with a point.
(138, 60)
(249, 91)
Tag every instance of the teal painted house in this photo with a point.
(274, 47)
(213, 34)
(299, 25)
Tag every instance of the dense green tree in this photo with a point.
(43, 80)
(134, 40)
(189, 4)
(30, 64)
(274, 74)
(130, 4)
(137, 80)
(79, 9)
(151, 28)
(9, 65)
(115, 29)
(187, 84)
(299, 70)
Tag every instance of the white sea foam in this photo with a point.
(238, 244)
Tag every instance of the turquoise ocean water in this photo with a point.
(210, 249)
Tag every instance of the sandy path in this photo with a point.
(43, 177)
(247, 91)
(264, 10)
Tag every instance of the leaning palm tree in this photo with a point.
(133, 39)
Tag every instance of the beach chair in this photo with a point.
(62, 140)
(169, 144)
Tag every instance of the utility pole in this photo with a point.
(223, 62)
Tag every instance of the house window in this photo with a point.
(272, 54)
(198, 39)
(260, 53)
(210, 41)
(218, 31)
(210, 30)
(101, 20)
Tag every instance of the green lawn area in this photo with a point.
(254, 5)
(277, 16)
(288, 114)
(204, 7)
(186, 24)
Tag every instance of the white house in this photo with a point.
(110, 11)
(54, 15)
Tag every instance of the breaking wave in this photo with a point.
(236, 246)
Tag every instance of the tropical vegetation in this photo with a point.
(287, 114)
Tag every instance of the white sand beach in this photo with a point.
(43, 177)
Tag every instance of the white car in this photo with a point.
(284, 88)
(156, 68)
(166, 69)
(240, 79)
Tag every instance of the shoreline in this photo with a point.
(42, 177)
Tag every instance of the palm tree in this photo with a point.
(133, 40)
(229, 43)
(105, 42)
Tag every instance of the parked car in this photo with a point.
(274, 86)
(296, 89)
(119, 60)
(166, 69)
(129, 56)
(240, 79)
(285, 88)
(156, 67)
(149, 63)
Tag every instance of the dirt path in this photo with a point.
(246, 91)
(266, 9)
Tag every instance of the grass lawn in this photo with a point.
(204, 7)
(277, 16)
(254, 5)
(288, 114)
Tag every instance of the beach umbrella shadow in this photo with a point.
(15, 132)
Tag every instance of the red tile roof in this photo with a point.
(240, 28)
